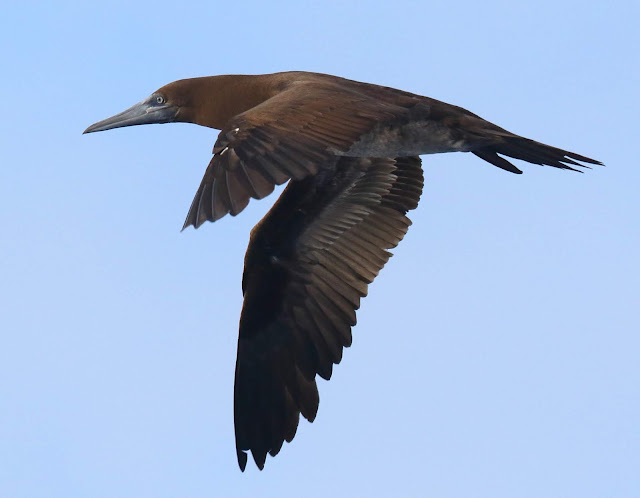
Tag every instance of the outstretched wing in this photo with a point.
(308, 264)
(291, 135)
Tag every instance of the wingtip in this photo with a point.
(259, 458)
(242, 460)
(190, 222)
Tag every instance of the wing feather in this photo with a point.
(308, 265)
(293, 134)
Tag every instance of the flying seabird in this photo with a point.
(350, 152)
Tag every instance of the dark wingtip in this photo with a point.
(242, 460)
(192, 218)
(259, 457)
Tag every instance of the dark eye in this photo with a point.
(160, 99)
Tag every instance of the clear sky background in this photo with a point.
(497, 355)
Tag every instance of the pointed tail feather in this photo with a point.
(532, 152)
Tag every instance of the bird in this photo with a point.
(350, 152)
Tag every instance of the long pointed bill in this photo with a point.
(145, 112)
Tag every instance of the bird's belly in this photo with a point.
(413, 139)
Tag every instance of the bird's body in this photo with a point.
(351, 152)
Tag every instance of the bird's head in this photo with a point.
(166, 105)
(207, 101)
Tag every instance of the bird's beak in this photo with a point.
(146, 112)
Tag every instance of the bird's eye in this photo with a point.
(160, 99)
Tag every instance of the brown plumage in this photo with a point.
(308, 264)
(351, 152)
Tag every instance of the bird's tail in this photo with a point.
(532, 152)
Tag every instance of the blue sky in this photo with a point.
(497, 353)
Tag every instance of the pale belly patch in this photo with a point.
(413, 139)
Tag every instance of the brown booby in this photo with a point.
(351, 152)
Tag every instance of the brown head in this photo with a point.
(209, 101)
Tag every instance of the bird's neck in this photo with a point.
(214, 100)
